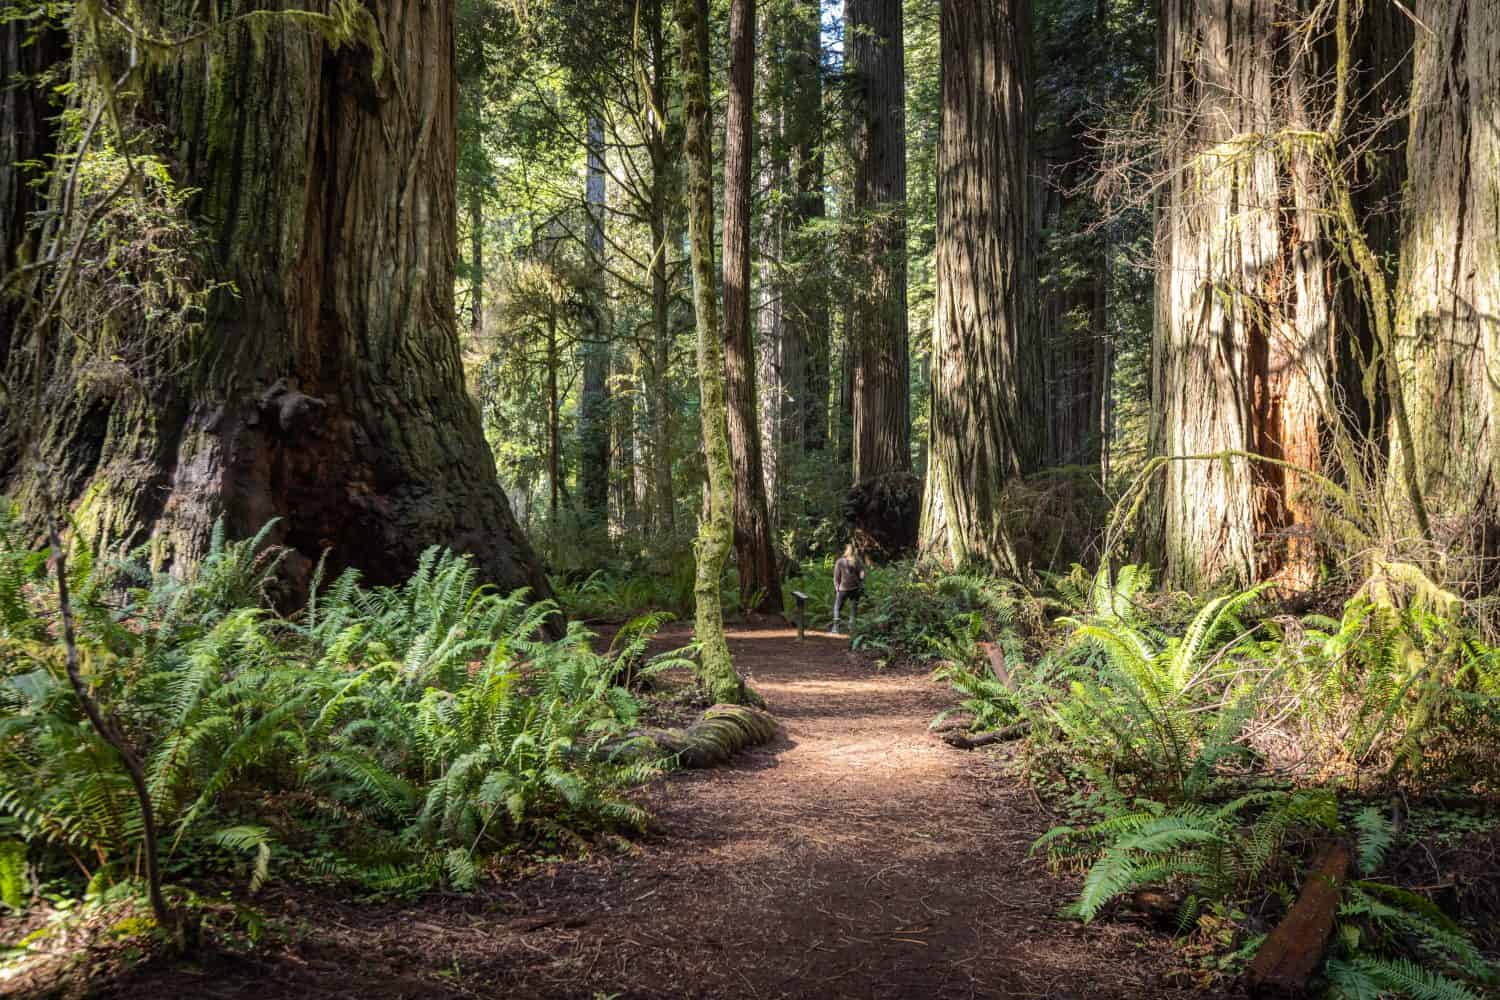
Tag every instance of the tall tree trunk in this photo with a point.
(755, 547)
(716, 530)
(1448, 297)
(887, 496)
(554, 435)
(660, 149)
(476, 262)
(1241, 346)
(983, 280)
(593, 407)
(330, 394)
(805, 313)
(774, 386)
(26, 137)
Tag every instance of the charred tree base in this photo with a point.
(884, 514)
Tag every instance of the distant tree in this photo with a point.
(887, 495)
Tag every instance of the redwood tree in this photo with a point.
(982, 324)
(1448, 297)
(327, 390)
(886, 494)
(1243, 326)
(754, 544)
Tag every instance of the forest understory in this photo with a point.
(857, 856)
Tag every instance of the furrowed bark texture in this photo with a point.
(593, 406)
(877, 318)
(755, 548)
(1241, 340)
(330, 393)
(983, 281)
(1448, 298)
(716, 529)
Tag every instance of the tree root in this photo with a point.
(723, 731)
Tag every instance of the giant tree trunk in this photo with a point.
(887, 496)
(1241, 344)
(716, 530)
(755, 547)
(1448, 298)
(593, 405)
(330, 393)
(983, 281)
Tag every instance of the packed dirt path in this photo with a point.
(858, 857)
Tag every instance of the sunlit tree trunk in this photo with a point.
(778, 379)
(624, 458)
(716, 529)
(660, 148)
(980, 326)
(593, 404)
(1448, 297)
(331, 393)
(1241, 341)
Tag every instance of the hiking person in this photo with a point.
(848, 583)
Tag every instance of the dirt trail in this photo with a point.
(859, 857)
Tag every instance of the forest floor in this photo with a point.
(857, 857)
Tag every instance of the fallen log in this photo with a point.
(1293, 952)
(724, 731)
(1012, 732)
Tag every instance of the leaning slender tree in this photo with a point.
(716, 529)
(299, 174)
(983, 282)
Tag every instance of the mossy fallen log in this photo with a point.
(724, 731)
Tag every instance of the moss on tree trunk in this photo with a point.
(716, 529)
(328, 390)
